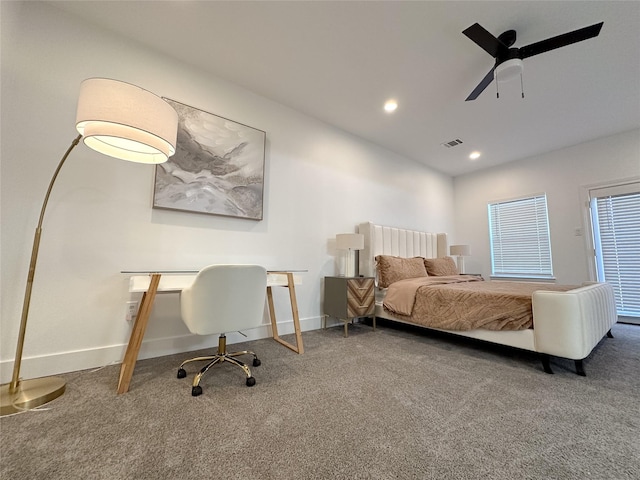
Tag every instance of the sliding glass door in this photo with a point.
(615, 217)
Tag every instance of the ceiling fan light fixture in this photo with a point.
(509, 69)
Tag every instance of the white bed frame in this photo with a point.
(566, 324)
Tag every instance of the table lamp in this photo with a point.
(349, 242)
(460, 251)
(119, 120)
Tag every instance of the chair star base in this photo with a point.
(220, 357)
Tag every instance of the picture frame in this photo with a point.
(218, 167)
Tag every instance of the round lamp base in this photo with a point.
(30, 394)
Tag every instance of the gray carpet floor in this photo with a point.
(391, 404)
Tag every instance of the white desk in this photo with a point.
(151, 282)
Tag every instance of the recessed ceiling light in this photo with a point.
(474, 155)
(390, 106)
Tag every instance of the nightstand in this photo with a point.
(347, 298)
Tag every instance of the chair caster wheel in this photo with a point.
(251, 382)
(195, 391)
(181, 373)
(256, 362)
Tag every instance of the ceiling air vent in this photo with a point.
(452, 143)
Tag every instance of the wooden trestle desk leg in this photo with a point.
(299, 347)
(135, 341)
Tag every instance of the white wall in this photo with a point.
(319, 181)
(562, 175)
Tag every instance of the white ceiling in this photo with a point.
(339, 61)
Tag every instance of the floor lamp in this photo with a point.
(120, 120)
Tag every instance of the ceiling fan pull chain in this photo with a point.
(497, 91)
(521, 85)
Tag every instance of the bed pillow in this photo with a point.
(391, 269)
(439, 267)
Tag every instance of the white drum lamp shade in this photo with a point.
(349, 242)
(460, 250)
(125, 121)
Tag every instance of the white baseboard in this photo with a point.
(631, 320)
(72, 361)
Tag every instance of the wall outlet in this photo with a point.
(132, 311)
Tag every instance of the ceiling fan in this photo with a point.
(509, 60)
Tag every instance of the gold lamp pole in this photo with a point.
(119, 120)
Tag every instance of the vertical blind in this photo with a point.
(519, 237)
(617, 235)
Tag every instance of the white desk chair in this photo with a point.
(223, 298)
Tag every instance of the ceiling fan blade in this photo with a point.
(560, 40)
(485, 40)
(481, 86)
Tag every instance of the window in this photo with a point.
(616, 230)
(519, 237)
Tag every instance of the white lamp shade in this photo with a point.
(460, 250)
(349, 241)
(127, 122)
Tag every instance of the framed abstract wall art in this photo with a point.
(218, 167)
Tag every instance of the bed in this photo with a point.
(552, 320)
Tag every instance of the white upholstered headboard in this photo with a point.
(380, 240)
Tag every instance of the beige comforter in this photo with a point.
(463, 302)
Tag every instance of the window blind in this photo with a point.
(618, 248)
(519, 238)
